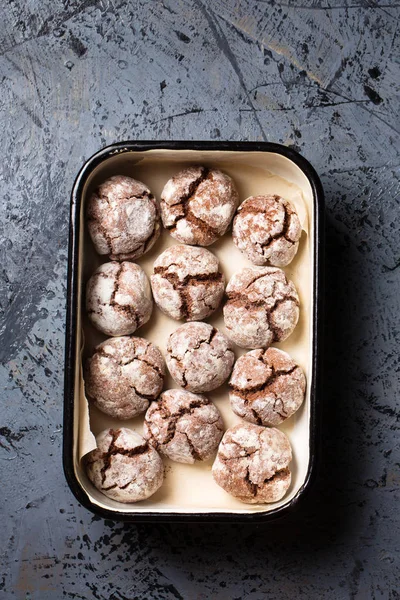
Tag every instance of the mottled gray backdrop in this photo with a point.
(320, 77)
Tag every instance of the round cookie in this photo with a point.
(118, 298)
(252, 463)
(183, 426)
(267, 387)
(124, 375)
(124, 466)
(262, 307)
(199, 357)
(123, 218)
(267, 230)
(187, 282)
(197, 205)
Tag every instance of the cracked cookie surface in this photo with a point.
(124, 466)
(124, 375)
(252, 463)
(266, 387)
(197, 205)
(183, 426)
(267, 230)
(199, 357)
(187, 282)
(118, 298)
(123, 218)
(262, 307)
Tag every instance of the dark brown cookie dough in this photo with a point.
(267, 230)
(267, 387)
(252, 463)
(124, 375)
(124, 466)
(262, 307)
(123, 218)
(118, 298)
(197, 205)
(199, 357)
(187, 282)
(183, 426)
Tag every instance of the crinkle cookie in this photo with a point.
(187, 282)
(123, 218)
(262, 307)
(118, 298)
(124, 375)
(197, 205)
(267, 230)
(183, 426)
(252, 463)
(199, 357)
(266, 387)
(124, 466)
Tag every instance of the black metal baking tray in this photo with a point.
(286, 164)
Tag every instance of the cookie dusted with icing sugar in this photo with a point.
(199, 357)
(187, 282)
(266, 387)
(123, 218)
(252, 463)
(198, 204)
(262, 307)
(267, 230)
(118, 298)
(183, 426)
(124, 466)
(124, 375)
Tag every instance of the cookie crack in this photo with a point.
(181, 285)
(272, 378)
(149, 397)
(184, 199)
(183, 411)
(254, 488)
(113, 450)
(155, 368)
(103, 232)
(192, 449)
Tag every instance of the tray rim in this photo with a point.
(71, 313)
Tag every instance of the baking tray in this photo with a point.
(189, 492)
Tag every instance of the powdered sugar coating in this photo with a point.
(124, 375)
(123, 218)
(267, 230)
(124, 466)
(252, 463)
(262, 307)
(197, 205)
(118, 298)
(187, 282)
(266, 387)
(199, 357)
(183, 426)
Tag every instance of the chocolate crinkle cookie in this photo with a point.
(183, 426)
(199, 357)
(124, 466)
(123, 218)
(187, 282)
(124, 375)
(118, 298)
(266, 387)
(252, 463)
(197, 205)
(262, 307)
(267, 230)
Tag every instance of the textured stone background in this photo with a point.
(323, 78)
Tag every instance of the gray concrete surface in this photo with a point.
(322, 77)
